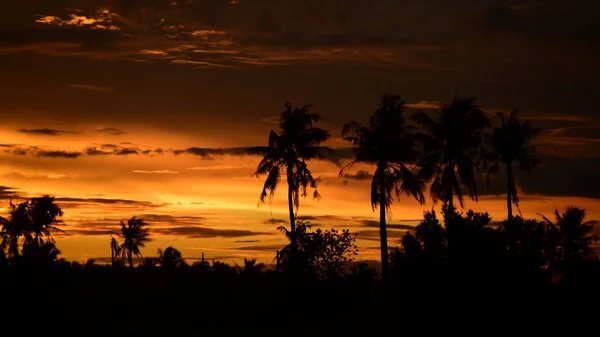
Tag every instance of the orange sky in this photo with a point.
(119, 108)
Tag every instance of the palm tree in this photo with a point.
(509, 143)
(114, 250)
(251, 267)
(451, 149)
(170, 258)
(287, 152)
(135, 235)
(44, 213)
(572, 232)
(301, 237)
(15, 228)
(389, 144)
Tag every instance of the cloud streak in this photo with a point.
(90, 87)
(45, 132)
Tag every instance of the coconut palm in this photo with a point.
(135, 235)
(572, 232)
(297, 141)
(451, 151)
(44, 213)
(15, 229)
(251, 267)
(390, 145)
(170, 258)
(509, 143)
(114, 250)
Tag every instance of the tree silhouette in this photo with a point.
(450, 153)
(114, 250)
(135, 235)
(389, 144)
(43, 213)
(170, 258)
(251, 267)
(40, 254)
(297, 141)
(15, 228)
(510, 143)
(572, 233)
(30, 223)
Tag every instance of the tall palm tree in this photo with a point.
(170, 258)
(451, 150)
(572, 232)
(114, 250)
(509, 143)
(391, 145)
(297, 141)
(135, 235)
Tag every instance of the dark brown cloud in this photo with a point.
(204, 232)
(45, 132)
(112, 131)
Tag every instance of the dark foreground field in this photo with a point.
(105, 302)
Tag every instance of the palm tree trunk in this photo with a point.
(293, 243)
(450, 193)
(130, 258)
(509, 183)
(385, 263)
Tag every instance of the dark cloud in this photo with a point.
(208, 153)
(90, 232)
(126, 151)
(112, 131)
(556, 176)
(375, 224)
(246, 241)
(45, 132)
(8, 192)
(374, 234)
(93, 151)
(275, 221)
(203, 232)
(504, 19)
(173, 220)
(263, 248)
(360, 175)
(57, 154)
(121, 202)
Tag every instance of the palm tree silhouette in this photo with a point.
(389, 144)
(297, 141)
(302, 237)
(572, 232)
(114, 250)
(251, 267)
(170, 258)
(509, 143)
(15, 228)
(451, 150)
(30, 223)
(43, 213)
(135, 235)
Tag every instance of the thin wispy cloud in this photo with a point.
(91, 87)
(425, 105)
(156, 172)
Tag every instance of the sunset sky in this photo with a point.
(140, 107)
